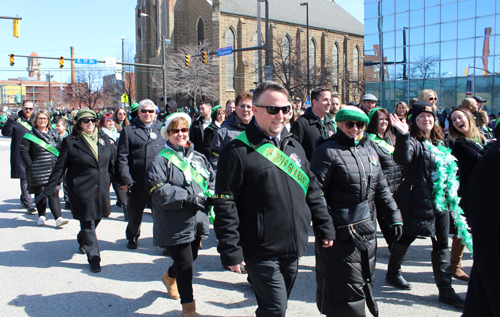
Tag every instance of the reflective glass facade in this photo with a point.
(412, 45)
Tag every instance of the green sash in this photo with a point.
(42, 143)
(26, 125)
(382, 143)
(281, 160)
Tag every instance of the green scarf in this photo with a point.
(92, 141)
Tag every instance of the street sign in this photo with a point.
(268, 72)
(223, 51)
(124, 98)
(85, 61)
(469, 78)
(110, 62)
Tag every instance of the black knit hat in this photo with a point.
(421, 106)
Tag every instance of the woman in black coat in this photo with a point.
(218, 116)
(348, 170)
(419, 149)
(468, 148)
(180, 206)
(86, 158)
(39, 151)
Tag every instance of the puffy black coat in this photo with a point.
(230, 129)
(261, 212)
(175, 222)
(135, 151)
(208, 136)
(16, 131)
(348, 175)
(308, 129)
(196, 135)
(39, 162)
(414, 194)
(87, 178)
(391, 170)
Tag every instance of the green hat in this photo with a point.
(85, 113)
(134, 107)
(214, 109)
(370, 115)
(351, 113)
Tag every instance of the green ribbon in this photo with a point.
(382, 143)
(42, 143)
(281, 160)
(26, 125)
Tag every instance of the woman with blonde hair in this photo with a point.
(430, 96)
(482, 120)
(401, 110)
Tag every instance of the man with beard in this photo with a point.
(333, 110)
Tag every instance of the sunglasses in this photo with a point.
(87, 120)
(175, 131)
(432, 98)
(121, 113)
(110, 119)
(351, 124)
(275, 110)
(146, 111)
(28, 109)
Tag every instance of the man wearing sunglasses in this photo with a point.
(138, 145)
(16, 127)
(234, 124)
(314, 124)
(262, 212)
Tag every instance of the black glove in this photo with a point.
(398, 232)
(197, 201)
(41, 198)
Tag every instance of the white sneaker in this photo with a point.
(61, 221)
(41, 221)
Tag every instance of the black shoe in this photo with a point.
(119, 204)
(95, 267)
(393, 276)
(132, 244)
(398, 281)
(31, 209)
(448, 296)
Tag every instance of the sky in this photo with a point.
(94, 28)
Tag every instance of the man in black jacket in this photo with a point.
(314, 124)
(262, 212)
(16, 127)
(199, 125)
(138, 145)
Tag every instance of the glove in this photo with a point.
(196, 201)
(398, 232)
(41, 198)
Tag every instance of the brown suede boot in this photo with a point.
(457, 250)
(171, 285)
(189, 310)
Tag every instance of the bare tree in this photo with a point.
(424, 67)
(88, 90)
(353, 86)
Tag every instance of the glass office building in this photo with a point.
(412, 45)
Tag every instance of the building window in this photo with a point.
(335, 66)
(355, 63)
(286, 44)
(201, 31)
(230, 61)
(312, 54)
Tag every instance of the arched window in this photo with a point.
(201, 30)
(230, 61)
(335, 65)
(355, 62)
(312, 53)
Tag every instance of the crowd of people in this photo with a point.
(263, 169)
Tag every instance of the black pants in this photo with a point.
(272, 282)
(440, 241)
(136, 202)
(54, 205)
(182, 268)
(88, 239)
(121, 194)
(386, 229)
(25, 195)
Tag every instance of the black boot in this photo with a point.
(442, 276)
(393, 276)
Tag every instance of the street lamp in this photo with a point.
(49, 76)
(164, 70)
(123, 60)
(306, 4)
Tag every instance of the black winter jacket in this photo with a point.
(208, 136)
(414, 194)
(135, 151)
(16, 131)
(38, 161)
(174, 221)
(196, 134)
(261, 212)
(308, 130)
(230, 129)
(391, 170)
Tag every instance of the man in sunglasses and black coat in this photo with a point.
(263, 213)
(138, 145)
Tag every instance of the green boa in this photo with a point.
(445, 187)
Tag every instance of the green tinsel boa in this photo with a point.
(445, 187)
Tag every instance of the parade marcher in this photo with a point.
(401, 110)
(230, 107)
(468, 148)
(16, 127)
(333, 111)
(234, 125)
(62, 128)
(368, 102)
(349, 173)
(218, 116)
(86, 159)
(297, 105)
(379, 130)
(133, 111)
(264, 209)
(138, 145)
(430, 96)
(419, 149)
(171, 107)
(39, 151)
(314, 124)
(442, 116)
(479, 101)
(3, 120)
(470, 105)
(482, 299)
(120, 119)
(179, 180)
(199, 125)
(482, 121)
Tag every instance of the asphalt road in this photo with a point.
(42, 274)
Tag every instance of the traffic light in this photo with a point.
(205, 57)
(466, 71)
(17, 28)
(61, 62)
(188, 60)
(11, 59)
